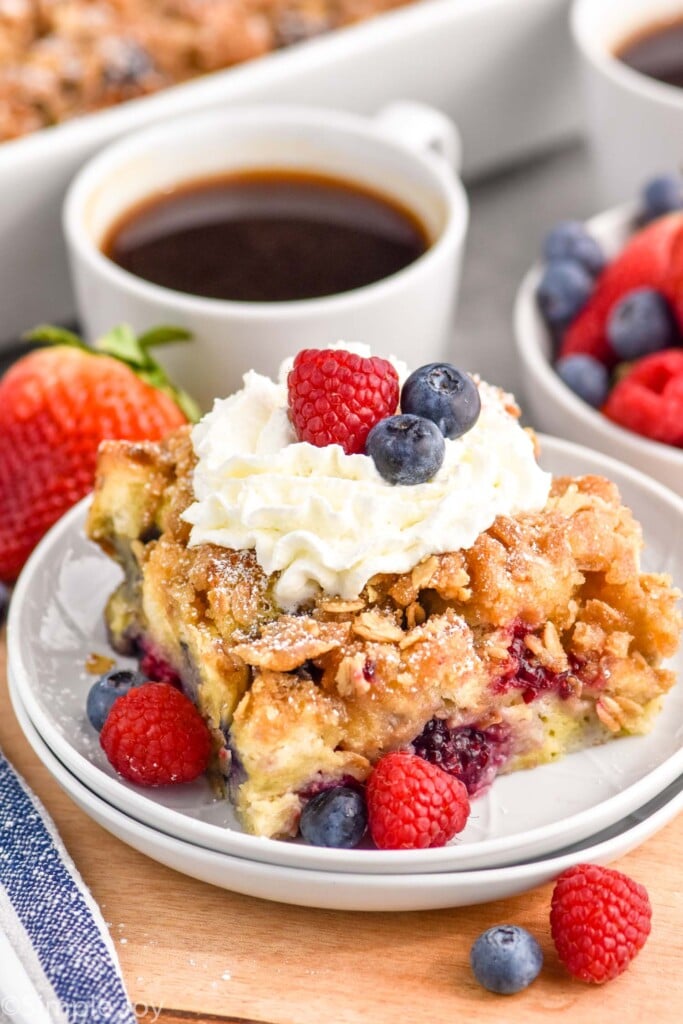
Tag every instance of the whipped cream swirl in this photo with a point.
(324, 519)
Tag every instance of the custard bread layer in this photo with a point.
(542, 638)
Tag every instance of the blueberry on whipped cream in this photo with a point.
(442, 393)
(406, 449)
(326, 520)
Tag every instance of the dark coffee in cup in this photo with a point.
(656, 51)
(266, 236)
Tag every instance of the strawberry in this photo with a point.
(674, 290)
(56, 405)
(648, 260)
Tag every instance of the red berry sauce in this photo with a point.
(526, 673)
(156, 668)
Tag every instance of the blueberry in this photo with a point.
(662, 195)
(4, 601)
(406, 449)
(586, 377)
(563, 291)
(126, 63)
(106, 690)
(440, 393)
(569, 240)
(640, 323)
(506, 959)
(336, 817)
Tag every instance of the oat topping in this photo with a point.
(325, 523)
(63, 58)
(541, 637)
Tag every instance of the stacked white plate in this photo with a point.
(594, 805)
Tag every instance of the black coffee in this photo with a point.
(657, 52)
(266, 237)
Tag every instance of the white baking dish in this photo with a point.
(503, 69)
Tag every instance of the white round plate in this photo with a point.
(56, 623)
(334, 890)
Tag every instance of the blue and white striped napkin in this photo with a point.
(57, 960)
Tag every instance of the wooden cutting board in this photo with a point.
(190, 952)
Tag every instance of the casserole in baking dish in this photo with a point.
(502, 69)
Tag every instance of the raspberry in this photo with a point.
(413, 804)
(649, 399)
(599, 919)
(337, 397)
(154, 735)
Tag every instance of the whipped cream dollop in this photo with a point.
(324, 519)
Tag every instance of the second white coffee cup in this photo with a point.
(408, 153)
(635, 122)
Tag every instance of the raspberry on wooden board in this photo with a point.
(600, 920)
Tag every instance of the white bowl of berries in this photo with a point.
(599, 329)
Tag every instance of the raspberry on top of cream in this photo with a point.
(324, 519)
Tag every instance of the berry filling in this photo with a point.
(472, 755)
(525, 672)
(157, 668)
(231, 767)
(323, 785)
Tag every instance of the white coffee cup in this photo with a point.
(635, 122)
(408, 153)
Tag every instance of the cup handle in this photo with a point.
(421, 127)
